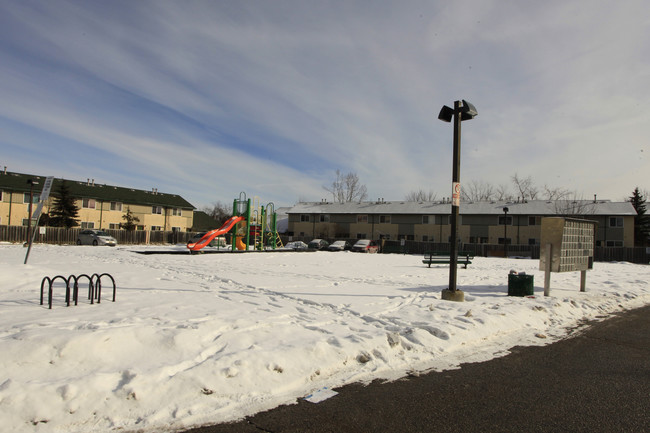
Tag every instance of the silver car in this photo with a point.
(296, 245)
(95, 237)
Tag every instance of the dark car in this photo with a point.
(365, 246)
(339, 246)
(318, 244)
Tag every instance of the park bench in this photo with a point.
(436, 257)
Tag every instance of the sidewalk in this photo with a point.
(597, 381)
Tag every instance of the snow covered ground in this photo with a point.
(209, 338)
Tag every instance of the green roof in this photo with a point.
(18, 182)
(203, 222)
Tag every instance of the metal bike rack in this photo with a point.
(94, 287)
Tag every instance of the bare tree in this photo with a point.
(477, 191)
(556, 193)
(574, 206)
(347, 188)
(502, 193)
(218, 211)
(421, 195)
(525, 187)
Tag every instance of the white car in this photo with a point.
(296, 245)
(339, 246)
(95, 237)
(365, 246)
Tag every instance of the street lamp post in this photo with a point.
(461, 111)
(505, 232)
(31, 183)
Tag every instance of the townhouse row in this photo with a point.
(100, 206)
(516, 223)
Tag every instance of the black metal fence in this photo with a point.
(62, 236)
(601, 254)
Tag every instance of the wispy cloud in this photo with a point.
(208, 99)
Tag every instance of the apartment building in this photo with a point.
(516, 223)
(100, 206)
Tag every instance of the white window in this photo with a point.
(88, 225)
(177, 211)
(325, 218)
(362, 219)
(35, 198)
(114, 226)
(116, 205)
(156, 210)
(384, 219)
(425, 219)
(156, 228)
(88, 203)
(176, 229)
(25, 220)
(304, 218)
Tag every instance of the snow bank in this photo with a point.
(215, 337)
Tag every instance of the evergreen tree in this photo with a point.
(64, 212)
(129, 220)
(641, 221)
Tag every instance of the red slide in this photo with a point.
(225, 228)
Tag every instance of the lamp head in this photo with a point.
(446, 114)
(468, 111)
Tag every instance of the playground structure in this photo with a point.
(252, 224)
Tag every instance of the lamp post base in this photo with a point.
(453, 295)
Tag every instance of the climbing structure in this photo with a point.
(251, 224)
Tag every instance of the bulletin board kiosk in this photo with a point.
(567, 245)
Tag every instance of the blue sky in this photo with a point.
(209, 98)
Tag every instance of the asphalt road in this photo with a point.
(596, 381)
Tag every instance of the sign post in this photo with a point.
(461, 111)
(45, 194)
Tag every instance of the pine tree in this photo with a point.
(64, 212)
(129, 220)
(641, 221)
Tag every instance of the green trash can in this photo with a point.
(520, 285)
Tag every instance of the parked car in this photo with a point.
(365, 246)
(318, 244)
(296, 245)
(95, 237)
(339, 246)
